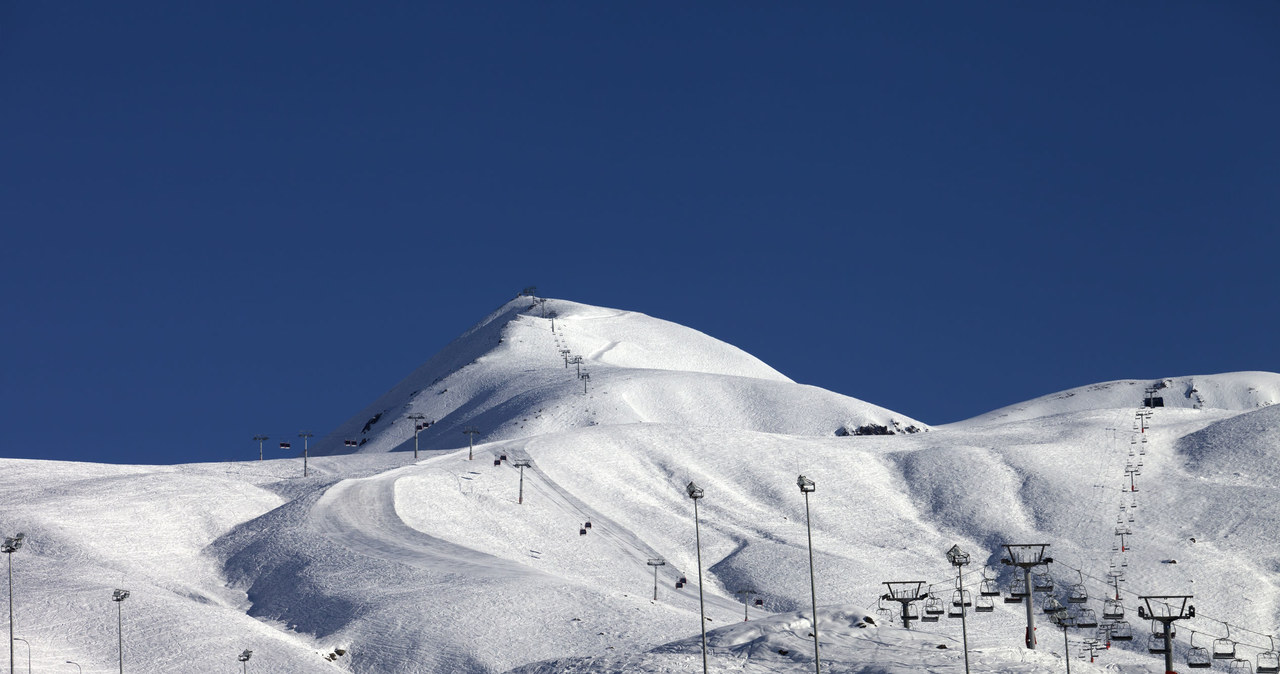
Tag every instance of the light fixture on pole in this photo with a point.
(807, 487)
(418, 425)
(1063, 619)
(261, 439)
(695, 493)
(471, 432)
(28, 645)
(959, 559)
(305, 435)
(655, 563)
(521, 464)
(11, 545)
(244, 660)
(118, 597)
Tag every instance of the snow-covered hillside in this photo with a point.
(376, 562)
(511, 376)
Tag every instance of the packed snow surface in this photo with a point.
(461, 561)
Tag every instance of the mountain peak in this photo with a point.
(536, 366)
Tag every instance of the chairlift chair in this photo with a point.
(933, 606)
(988, 588)
(1112, 609)
(1198, 656)
(1269, 660)
(1017, 590)
(1240, 666)
(883, 612)
(1051, 605)
(912, 612)
(759, 602)
(1121, 630)
(955, 611)
(1224, 648)
(1157, 629)
(1087, 618)
(957, 599)
(1078, 594)
(1155, 644)
(985, 604)
(1042, 581)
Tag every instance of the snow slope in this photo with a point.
(508, 377)
(436, 565)
(1234, 391)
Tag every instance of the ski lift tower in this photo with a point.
(1165, 609)
(905, 592)
(655, 563)
(522, 464)
(471, 432)
(418, 424)
(1027, 556)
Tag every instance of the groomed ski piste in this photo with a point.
(377, 562)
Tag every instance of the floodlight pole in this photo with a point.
(959, 558)
(807, 486)
(471, 432)
(417, 427)
(118, 597)
(695, 493)
(28, 644)
(524, 463)
(655, 563)
(1065, 621)
(10, 546)
(260, 439)
(305, 435)
(244, 660)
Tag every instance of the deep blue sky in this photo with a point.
(222, 219)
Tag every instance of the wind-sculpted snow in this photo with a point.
(508, 377)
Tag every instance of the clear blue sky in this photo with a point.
(222, 219)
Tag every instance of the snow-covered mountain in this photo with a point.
(376, 562)
(512, 376)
